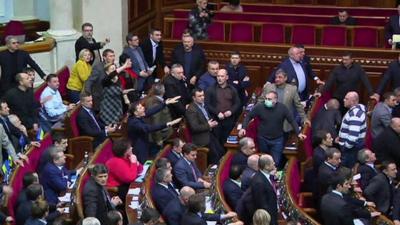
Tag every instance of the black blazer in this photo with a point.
(173, 212)
(264, 196)
(386, 145)
(198, 125)
(147, 49)
(88, 127)
(367, 173)
(380, 191)
(190, 218)
(173, 158)
(324, 180)
(211, 103)
(161, 195)
(8, 73)
(392, 75)
(198, 63)
(95, 204)
(232, 193)
(335, 210)
(173, 88)
(239, 159)
(392, 27)
(328, 120)
(82, 43)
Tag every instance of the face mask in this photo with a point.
(268, 103)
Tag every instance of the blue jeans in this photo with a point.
(274, 147)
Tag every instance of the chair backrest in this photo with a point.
(216, 31)
(241, 32)
(178, 26)
(222, 176)
(16, 29)
(71, 124)
(39, 91)
(272, 33)
(303, 35)
(63, 76)
(294, 180)
(251, 130)
(365, 37)
(334, 36)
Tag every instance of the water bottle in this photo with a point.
(86, 158)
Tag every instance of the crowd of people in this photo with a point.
(209, 97)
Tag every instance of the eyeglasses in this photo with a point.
(15, 42)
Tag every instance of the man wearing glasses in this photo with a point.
(87, 41)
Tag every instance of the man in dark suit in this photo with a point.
(232, 186)
(10, 129)
(176, 151)
(163, 190)
(247, 148)
(13, 61)
(201, 126)
(386, 144)
(296, 72)
(392, 27)
(328, 118)
(88, 124)
(366, 169)
(191, 57)
(175, 86)
(153, 52)
(334, 208)
(391, 76)
(380, 189)
(238, 76)
(223, 103)
(249, 171)
(40, 209)
(138, 129)
(96, 200)
(86, 41)
(263, 189)
(55, 177)
(186, 171)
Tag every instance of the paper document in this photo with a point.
(134, 191)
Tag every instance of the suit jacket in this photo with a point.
(54, 181)
(247, 175)
(147, 48)
(135, 63)
(245, 207)
(206, 80)
(380, 119)
(319, 156)
(328, 120)
(138, 131)
(324, 179)
(198, 125)
(7, 79)
(381, 192)
(232, 193)
(367, 173)
(287, 66)
(93, 84)
(82, 43)
(95, 203)
(173, 88)
(391, 75)
(197, 65)
(335, 210)
(236, 76)
(88, 127)
(392, 27)
(161, 195)
(386, 145)
(190, 218)
(184, 174)
(173, 212)
(291, 100)
(6, 145)
(239, 159)
(173, 158)
(211, 103)
(264, 196)
(32, 221)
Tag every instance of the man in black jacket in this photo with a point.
(386, 144)
(13, 61)
(391, 75)
(88, 42)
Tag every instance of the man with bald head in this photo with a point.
(328, 118)
(353, 129)
(251, 169)
(263, 188)
(191, 57)
(247, 148)
(386, 144)
(296, 72)
(222, 102)
(13, 61)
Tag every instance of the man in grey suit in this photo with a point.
(6, 145)
(287, 94)
(93, 84)
(138, 60)
(382, 114)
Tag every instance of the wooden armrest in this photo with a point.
(203, 150)
(69, 156)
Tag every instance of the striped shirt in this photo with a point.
(354, 127)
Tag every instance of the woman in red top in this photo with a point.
(123, 167)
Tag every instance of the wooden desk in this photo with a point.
(133, 214)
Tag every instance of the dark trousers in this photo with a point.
(273, 147)
(224, 128)
(216, 150)
(349, 156)
(74, 96)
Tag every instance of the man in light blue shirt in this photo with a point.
(53, 109)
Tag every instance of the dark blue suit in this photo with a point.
(173, 158)
(232, 193)
(54, 181)
(247, 174)
(287, 66)
(138, 131)
(88, 127)
(184, 174)
(239, 159)
(32, 221)
(238, 74)
(161, 195)
(173, 212)
(206, 80)
(190, 218)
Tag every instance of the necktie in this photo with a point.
(94, 119)
(273, 182)
(172, 189)
(5, 124)
(193, 171)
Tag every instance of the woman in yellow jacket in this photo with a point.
(79, 74)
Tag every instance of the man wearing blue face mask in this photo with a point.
(272, 115)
